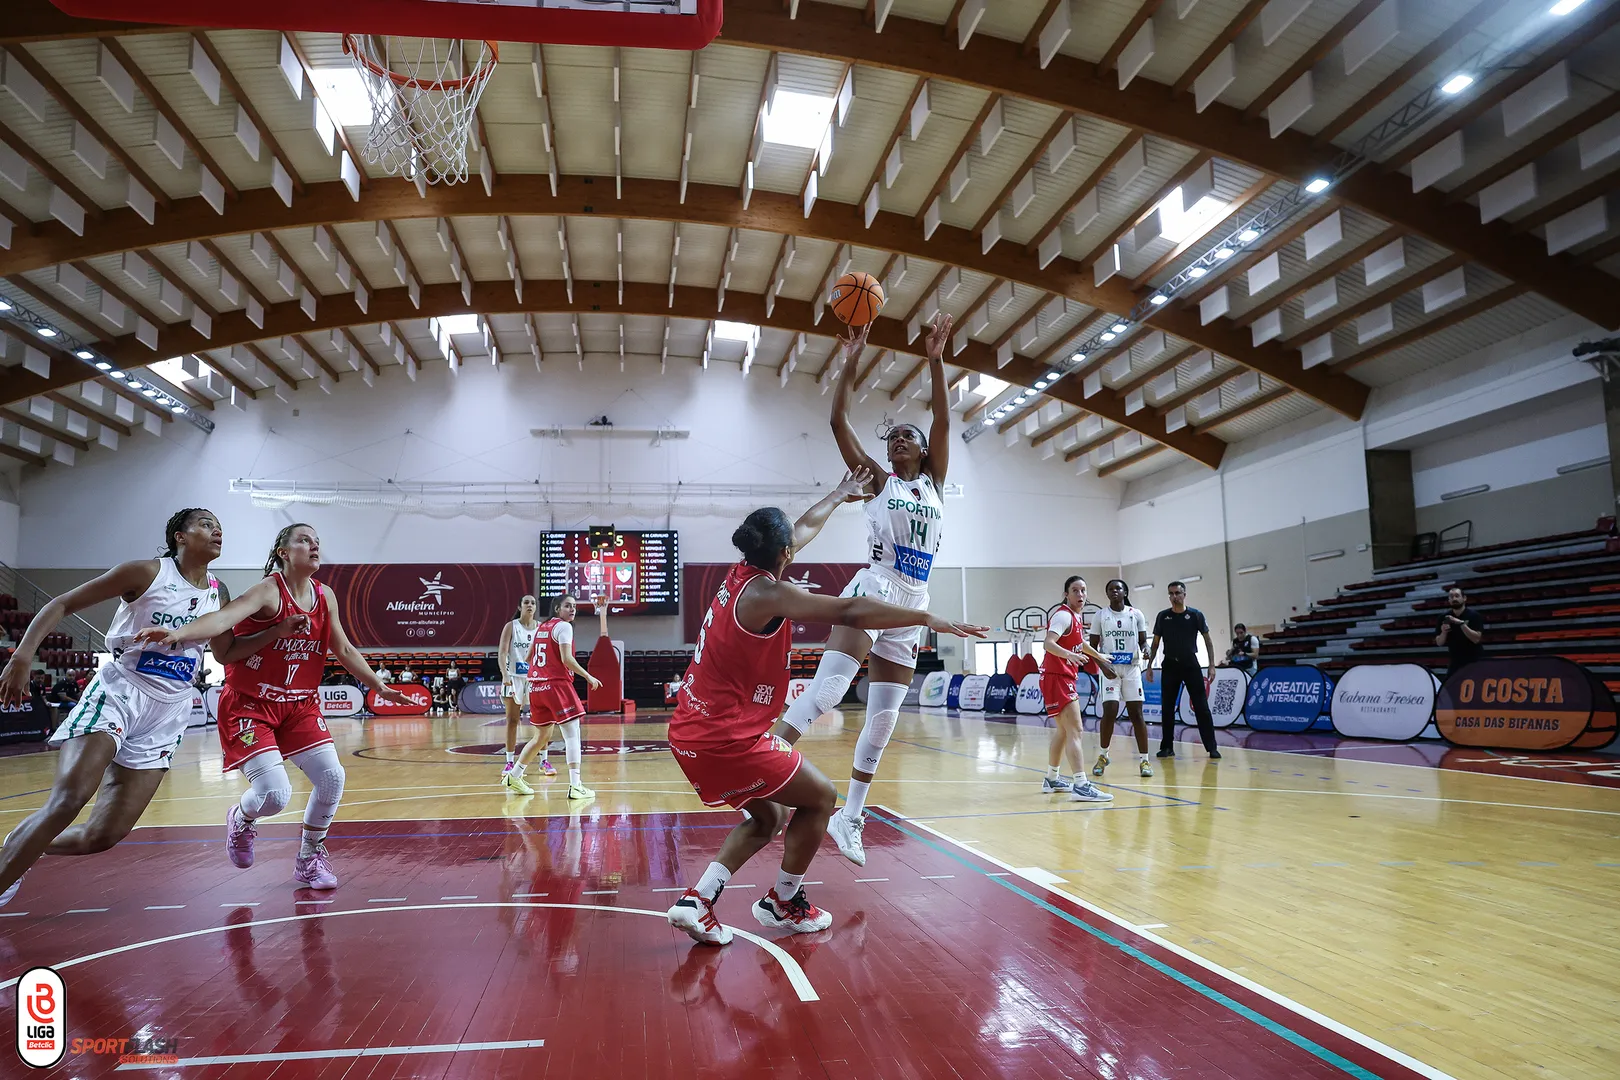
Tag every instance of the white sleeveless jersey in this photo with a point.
(163, 673)
(522, 639)
(904, 523)
(1118, 633)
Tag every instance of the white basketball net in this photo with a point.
(424, 99)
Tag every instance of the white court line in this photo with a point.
(238, 903)
(937, 877)
(531, 894)
(458, 898)
(16, 914)
(1386, 795)
(864, 879)
(599, 892)
(84, 910)
(677, 888)
(297, 902)
(387, 900)
(790, 967)
(326, 1055)
(165, 907)
(1151, 926)
(1209, 965)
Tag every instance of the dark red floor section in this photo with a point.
(941, 969)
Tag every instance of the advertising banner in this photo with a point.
(28, 721)
(1526, 703)
(1001, 694)
(953, 692)
(974, 688)
(1152, 700)
(1030, 701)
(448, 605)
(421, 698)
(700, 581)
(1228, 694)
(1287, 698)
(483, 698)
(1393, 702)
(340, 700)
(934, 687)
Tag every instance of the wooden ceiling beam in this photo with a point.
(1238, 23)
(1247, 196)
(1310, 58)
(1058, 428)
(166, 110)
(1246, 258)
(1144, 12)
(1087, 186)
(1102, 438)
(1127, 461)
(967, 143)
(1242, 410)
(1538, 149)
(1148, 374)
(42, 165)
(330, 203)
(1029, 164)
(1433, 326)
(28, 422)
(1146, 208)
(79, 405)
(1032, 39)
(268, 136)
(1388, 294)
(1331, 270)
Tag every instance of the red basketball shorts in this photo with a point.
(553, 702)
(248, 726)
(1057, 692)
(734, 774)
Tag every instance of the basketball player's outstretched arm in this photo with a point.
(125, 581)
(764, 600)
(259, 602)
(350, 657)
(1052, 646)
(854, 488)
(939, 435)
(228, 648)
(849, 445)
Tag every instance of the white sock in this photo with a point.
(573, 773)
(1143, 755)
(713, 880)
(1052, 772)
(511, 756)
(518, 769)
(856, 801)
(311, 839)
(787, 885)
(545, 754)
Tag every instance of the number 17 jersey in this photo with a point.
(904, 523)
(291, 667)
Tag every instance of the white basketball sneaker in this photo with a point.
(846, 833)
(695, 915)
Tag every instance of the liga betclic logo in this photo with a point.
(41, 1018)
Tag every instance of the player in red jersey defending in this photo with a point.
(1064, 647)
(552, 698)
(273, 640)
(732, 695)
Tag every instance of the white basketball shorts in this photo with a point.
(898, 646)
(147, 729)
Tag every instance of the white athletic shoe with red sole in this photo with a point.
(695, 916)
(798, 914)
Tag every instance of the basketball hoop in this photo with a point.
(424, 98)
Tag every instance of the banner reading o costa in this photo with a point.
(1526, 703)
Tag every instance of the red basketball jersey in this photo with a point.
(1070, 638)
(735, 687)
(545, 655)
(291, 667)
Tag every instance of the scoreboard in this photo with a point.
(638, 572)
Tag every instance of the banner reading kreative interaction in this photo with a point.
(700, 581)
(449, 605)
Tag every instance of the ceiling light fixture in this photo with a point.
(1118, 328)
(795, 119)
(344, 96)
(1224, 253)
(47, 331)
(1196, 272)
(85, 354)
(1564, 7)
(1457, 84)
(1156, 299)
(1317, 184)
(1248, 236)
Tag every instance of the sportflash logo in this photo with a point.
(41, 1018)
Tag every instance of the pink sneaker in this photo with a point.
(548, 768)
(315, 870)
(239, 834)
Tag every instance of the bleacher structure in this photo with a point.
(1552, 595)
(71, 647)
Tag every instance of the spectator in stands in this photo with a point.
(452, 676)
(1245, 647)
(406, 674)
(66, 690)
(1460, 631)
(384, 674)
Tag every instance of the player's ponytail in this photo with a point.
(178, 522)
(763, 536)
(274, 562)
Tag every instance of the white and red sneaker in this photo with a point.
(798, 914)
(239, 834)
(315, 870)
(695, 915)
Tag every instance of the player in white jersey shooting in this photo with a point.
(514, 656)
(1119, 632)
(903, 516)
(119, 741)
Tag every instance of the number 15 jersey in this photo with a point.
(291, 667)
(904, 525)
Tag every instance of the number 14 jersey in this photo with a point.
(904, 525)
(291, 667)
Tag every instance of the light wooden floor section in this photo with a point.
(1468, 920)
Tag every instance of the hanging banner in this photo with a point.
(1287, 698)
(421, 698)
(338, 700)
(1526, 703)
(1393, 702)
(445, 605)
(974, 689)
(1228, 693)
(483, 698)
(934, 688)
(700, 581)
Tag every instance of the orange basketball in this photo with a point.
(857, 298)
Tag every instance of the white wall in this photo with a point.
(10, 515)
(1511, 453)
(1016, 510)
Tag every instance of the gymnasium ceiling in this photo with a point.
(992, 159)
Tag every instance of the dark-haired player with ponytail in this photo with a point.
(553, 702)
(731, 695)
(119, 741)
(513, 656)
(904, 517)
(1065, 649)
(273, 641)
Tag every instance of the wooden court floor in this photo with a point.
(1465, 919)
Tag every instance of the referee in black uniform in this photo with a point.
(1178, 626)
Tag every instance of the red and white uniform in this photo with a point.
(552, 699)
(732, 695)
(271, 700)
(1057, 674)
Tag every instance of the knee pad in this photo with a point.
(833, 676)
(883, 701)
(830, 692)
(270, 789)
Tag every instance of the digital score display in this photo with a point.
(637, 572)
